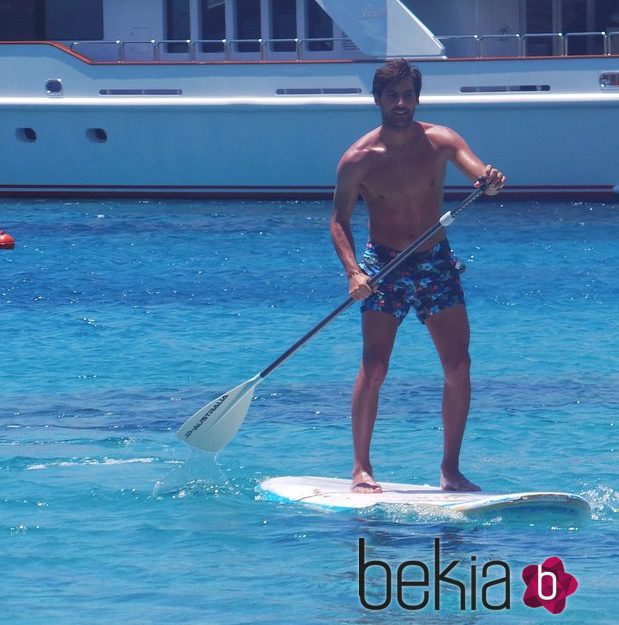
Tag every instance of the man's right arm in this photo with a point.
(349, 175)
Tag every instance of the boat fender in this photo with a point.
(7, 242)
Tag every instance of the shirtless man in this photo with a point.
(399, 169)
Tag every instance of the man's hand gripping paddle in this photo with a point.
(214, 425)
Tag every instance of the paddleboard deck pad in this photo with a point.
(335, 494)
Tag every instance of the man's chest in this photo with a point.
(405, 173)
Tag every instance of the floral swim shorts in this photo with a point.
(429, 281)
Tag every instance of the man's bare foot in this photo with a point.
(456, 481)
(364, 483)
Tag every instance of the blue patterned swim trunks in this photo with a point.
(429, 281)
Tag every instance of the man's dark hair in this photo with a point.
(392, 72)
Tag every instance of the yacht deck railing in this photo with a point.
(198, 50)
(595, 43)
(456, 46)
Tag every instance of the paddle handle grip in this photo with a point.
(444, 221)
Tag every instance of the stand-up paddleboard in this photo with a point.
(335, 494)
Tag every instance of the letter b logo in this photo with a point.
(548, 585)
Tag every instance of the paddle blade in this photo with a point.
(214, 425)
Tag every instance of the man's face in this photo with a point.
(397, 103)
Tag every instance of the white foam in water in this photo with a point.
(604, 502)
(199, 472)
(90, 462)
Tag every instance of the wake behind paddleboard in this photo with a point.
(335, 494)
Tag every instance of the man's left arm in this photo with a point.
(464, 159)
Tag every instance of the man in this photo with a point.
(399, 169)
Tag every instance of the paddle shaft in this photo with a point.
(445, 220)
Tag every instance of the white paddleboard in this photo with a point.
(335, 494)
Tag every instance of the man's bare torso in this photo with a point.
(403, 185)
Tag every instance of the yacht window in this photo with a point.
(53, 86)
(213, 25)
(96, 135)
(576, 21)
(177, 25)
(284, 24)
(609, 80)
(578, 26)
(26, 135)
(73, 19)
(21, 21)
(248, 24)
(319, 91)
(146, 92)
(58, 20)
(319, 26)
(539, 20)
(504, 88)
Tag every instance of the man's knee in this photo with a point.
(374, 371)
(457, 370)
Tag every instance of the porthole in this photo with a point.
(26, 135)
(609, 80)
(53, 86)
(96, 135)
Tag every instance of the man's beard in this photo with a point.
(400, 120)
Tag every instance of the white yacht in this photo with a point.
(259, 98)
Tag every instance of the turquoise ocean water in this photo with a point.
(119, 319)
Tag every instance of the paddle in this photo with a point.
(214, 425)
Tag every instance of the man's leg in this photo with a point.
(450, 332)
(379, 331)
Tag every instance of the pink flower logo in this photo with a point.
(548, 585)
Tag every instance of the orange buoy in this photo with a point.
(7, 242)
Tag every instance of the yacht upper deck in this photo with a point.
(232, 31)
